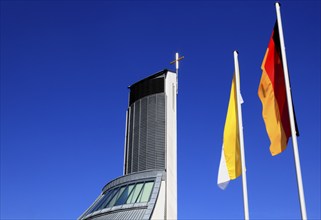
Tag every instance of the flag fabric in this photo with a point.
(230, 165)
(272, 93)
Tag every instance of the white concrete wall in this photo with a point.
(159, 210)
(171, 145)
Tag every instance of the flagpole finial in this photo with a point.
(236, 52)
(277, 4)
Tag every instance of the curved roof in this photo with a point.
(132, 196)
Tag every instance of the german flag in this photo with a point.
(272, 93)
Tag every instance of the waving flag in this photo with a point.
(230, 164)
(272, 94)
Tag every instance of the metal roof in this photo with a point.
(129, 211)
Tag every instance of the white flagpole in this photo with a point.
(238, 94)
(290, 107)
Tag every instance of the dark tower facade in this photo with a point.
(145, 139)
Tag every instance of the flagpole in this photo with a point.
(240, 123)
(290, 107)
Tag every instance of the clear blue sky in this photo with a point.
(65, 68)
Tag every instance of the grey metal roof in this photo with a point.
(129, 211)
(134, 177)
(126, 214)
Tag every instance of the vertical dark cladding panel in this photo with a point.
(151, 123)
(142, 136)
(146, 142)
(130, 141)
(160, 132)
(136, 132)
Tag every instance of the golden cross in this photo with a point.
(178, 59)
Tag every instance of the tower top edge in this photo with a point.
(155, 75)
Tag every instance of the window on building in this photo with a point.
(145, 194)
(132, 198)
(115, 198)
(126, 194)
(123, 198)
(109, 195)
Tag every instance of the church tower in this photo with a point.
(148, 187)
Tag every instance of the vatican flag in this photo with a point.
(230, 164)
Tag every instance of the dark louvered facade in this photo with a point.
(145, 139)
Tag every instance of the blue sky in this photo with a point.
(65, 68)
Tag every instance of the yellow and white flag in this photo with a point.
(230, 164)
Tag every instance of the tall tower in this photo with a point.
(148, 188)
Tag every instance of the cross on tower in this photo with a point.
(176, 61)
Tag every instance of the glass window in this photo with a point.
(146, 191)
(133, 196)
(112, 202)
(126, 194)
(111, 194)
(122, 199)
(98, 204)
